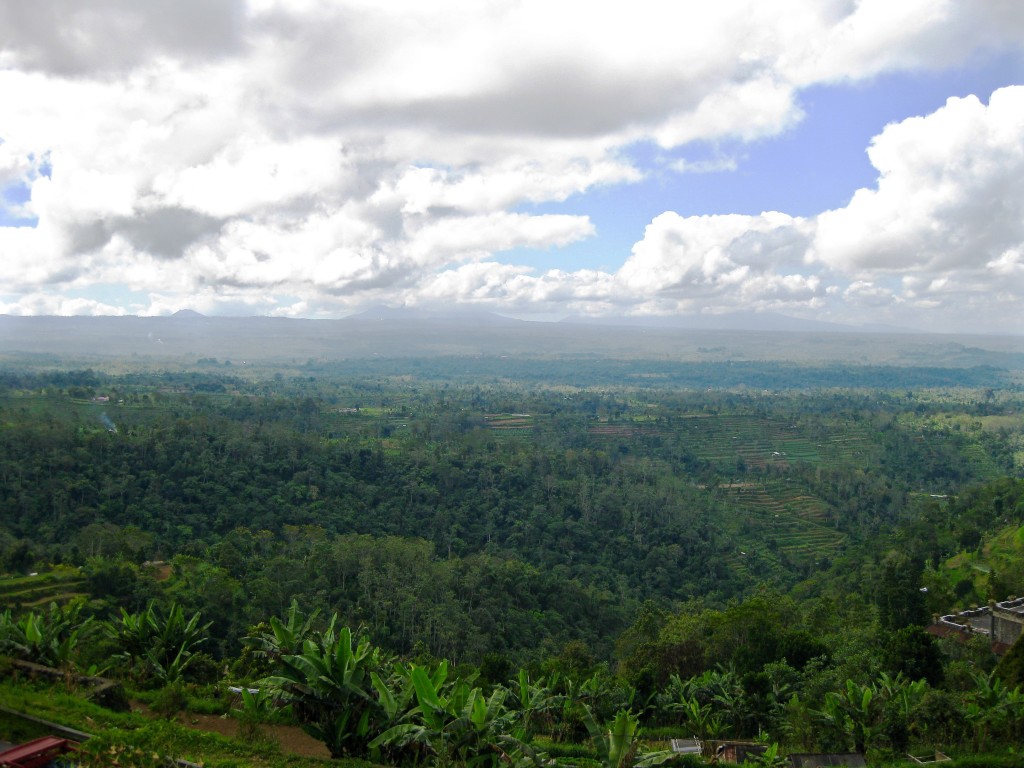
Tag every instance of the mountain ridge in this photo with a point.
(414, 332)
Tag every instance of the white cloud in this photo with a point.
(866, 293)
(504, 184)
(515, 289)
(712, 255)
(52, 304)
(714, 165)
(947, 216)
(1009, 263)
(950, 192)
(251, 173)
(220, 154)
(473, 237)
(746, 110)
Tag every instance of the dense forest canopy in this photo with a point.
(658, 538)
(471, 515)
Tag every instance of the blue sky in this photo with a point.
(854, 161)
(815, 166)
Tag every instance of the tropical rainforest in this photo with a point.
(489, 560)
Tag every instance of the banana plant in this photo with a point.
(988, 710)
(50, 638)
(456, 723)
(285, 636)
(394, 693)
(532, 701)
(157, 646)
(328, 685)
(906, 694)
(257, 707)
(616, 745)
(702, 719)
(396, 703)
(731, 700)
(851, 712)
(770, 758)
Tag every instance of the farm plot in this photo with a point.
(58, 586)
(852, 445)
(510, 426)
(620, 430)
(981, 463)
(781, 517)
(368, 421)
(761, 441)
(756, 440)
(732, 440)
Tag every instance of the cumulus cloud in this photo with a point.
(948, 210)
(733, 259)
(80, 39)
(942, 229)
(950, 193)
(221, 154)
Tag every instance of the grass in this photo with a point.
(1002, 553)
(130, 739)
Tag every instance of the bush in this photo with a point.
(171, 699)
(203, 669)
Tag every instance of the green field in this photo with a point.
(779, 517)
(57, 586)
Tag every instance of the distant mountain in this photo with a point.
(189, 336)
(731, 321)
(431, 314)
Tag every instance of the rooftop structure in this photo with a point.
(1002, 623)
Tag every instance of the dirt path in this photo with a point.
(291, 738)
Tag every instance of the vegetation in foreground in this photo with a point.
(533, 570)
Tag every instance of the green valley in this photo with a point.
(717, 561)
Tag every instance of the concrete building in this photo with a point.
(1002, 623)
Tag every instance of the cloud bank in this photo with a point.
(308, 158)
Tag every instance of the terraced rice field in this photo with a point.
(720, 439)
(57, 586)
(774, 519)
(761, 441)
(510, 425)
(373, 421)
(981, 463)
(781, 517)
(621, 430)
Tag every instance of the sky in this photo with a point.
(849, 161)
